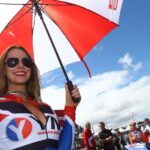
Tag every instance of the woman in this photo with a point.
(135, 134)
(88, 138)
(26, 123)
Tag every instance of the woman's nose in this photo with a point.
(20, 64)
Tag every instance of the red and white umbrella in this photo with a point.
(76, 26)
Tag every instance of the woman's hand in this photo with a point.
(75, 93)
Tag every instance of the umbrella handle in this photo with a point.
(70, 87)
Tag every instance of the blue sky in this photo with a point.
(120, 68)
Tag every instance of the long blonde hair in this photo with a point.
(32, 86)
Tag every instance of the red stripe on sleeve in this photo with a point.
(70, 111)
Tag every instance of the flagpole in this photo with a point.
(133, 118)
(69, 82)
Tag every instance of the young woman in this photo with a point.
(88, 137)
(135, 134)
(26, 123)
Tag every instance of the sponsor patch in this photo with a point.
(18, 129)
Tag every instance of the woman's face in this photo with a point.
(17, 74)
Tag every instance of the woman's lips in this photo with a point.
(20, 73)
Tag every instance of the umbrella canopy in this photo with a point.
(75, 27)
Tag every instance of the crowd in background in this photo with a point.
(110, 140)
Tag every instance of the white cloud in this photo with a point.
(54, 96)
(138, 66)
(127, 62)
(110, 97)
(70, 75)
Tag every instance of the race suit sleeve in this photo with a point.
(66, 141)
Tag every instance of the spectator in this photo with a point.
(135, 134)
(127, 138)
(146, 130)
(105, 137)
(116, 141)
(88, 137)
(121, 139)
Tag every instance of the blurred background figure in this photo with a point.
(105, 137)
(146, 130)
(116, 141)
(135, 134)
(88, 137)
(121, 138)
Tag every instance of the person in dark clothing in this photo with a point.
(105, 137)
(121, 138)
(116, 141)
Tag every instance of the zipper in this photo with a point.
(48, 143)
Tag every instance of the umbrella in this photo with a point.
(73, 28)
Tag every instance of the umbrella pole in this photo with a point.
(69, 83)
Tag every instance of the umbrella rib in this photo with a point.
(34, 22)
(42, 9)
(34, 18)
(19, 18)
(26, 5)
(30, 8)
(66, 4)
(57, 4)
(53, 5)
(13, 4)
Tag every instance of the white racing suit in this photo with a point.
(21, 130)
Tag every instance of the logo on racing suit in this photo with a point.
(18, 129)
